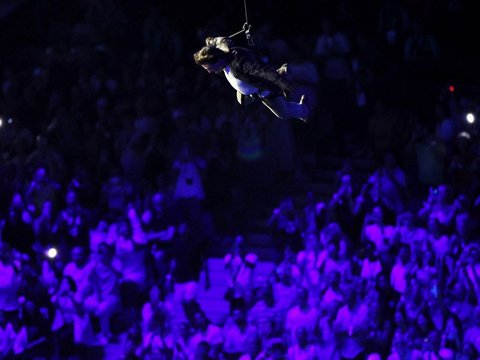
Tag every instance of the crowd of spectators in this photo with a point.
(122, 165)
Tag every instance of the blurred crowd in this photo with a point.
(123, 167)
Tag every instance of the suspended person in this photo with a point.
(252, 77)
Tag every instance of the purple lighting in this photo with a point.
(146, 214)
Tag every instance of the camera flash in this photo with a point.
(470, 118)
(52, 253)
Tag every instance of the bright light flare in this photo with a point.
(52, 253)
(470, 118)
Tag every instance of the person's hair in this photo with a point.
(208, 55)
(71, 283)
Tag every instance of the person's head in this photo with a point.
(462, 224)
(302, 297)
(5, 254)
(474, 255)
(276, 350)
(458, 292)
(405, 220)
(17, 201)
(301, 335)
(434, 225)
(155, 294)
(424, 322)
(265, 327)
(40, 175)
(469, 350)
(239, 317)
(71, 197)
(182, 229)
(444, 194)
(400, 319)
(428, 259)
(265, 294)
(377, 215)
(238, 244)
(158, 201)
(311, 241)
(404, 254)
(185, 329)
(211, 58)
(332, 250)
(124, 228)
(333, 278)
(202, 350)
(79, 256)
(476, 316)
(105, 253)
(346, 180)
(253, 345)
(47, 209)
(350, 292)
(200, 321)
(67, 285)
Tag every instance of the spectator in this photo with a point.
(156, 218)
(188, 173)
(472, 333)
(380, 234)
(302, 315)
(389, 185)
(43, 226)
(71, 326)
(9, 283)
(183, 347)
(17, 230)
(7, 336)
(301, 349)
(41, 189)
(351, 324)
(308, 261)
(241, 268)
(236, 333)
(439, 204)
(342, 204)
(263, 308)
(79, 269)
(102, 300)
(285, 224)
(129, 262)
(438, 240)
(155, 309)
(398, 276)
(206, 332)
(71, 224)
(188, 249)
(371, 265)
(117, 192)
(157, 340)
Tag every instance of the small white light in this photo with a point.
(470, 118)
(1, 121)
(10, 121)
(52, 253)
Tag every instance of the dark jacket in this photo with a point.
(246, 67)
